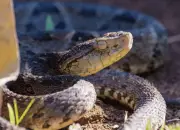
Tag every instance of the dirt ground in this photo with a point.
(166, 79)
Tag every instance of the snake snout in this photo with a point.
(128, 40)
(125, 39)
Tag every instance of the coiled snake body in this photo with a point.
(45, 70)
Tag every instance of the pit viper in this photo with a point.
(65, 77)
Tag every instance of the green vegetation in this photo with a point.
(49, 26)
(174, 127)
(163, 127)
(14, 113)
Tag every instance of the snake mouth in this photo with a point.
(130, 37)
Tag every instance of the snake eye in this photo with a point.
(100, 45)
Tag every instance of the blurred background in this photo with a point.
(167, 78)
(166, 11)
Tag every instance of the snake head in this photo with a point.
(94, 55)
(114, 40)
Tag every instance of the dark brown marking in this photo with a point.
(46, 125)
(37, 115)
(111, 92)
(101, 91)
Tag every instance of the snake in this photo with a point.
(90, 57)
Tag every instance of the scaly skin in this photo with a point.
(57, 109)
